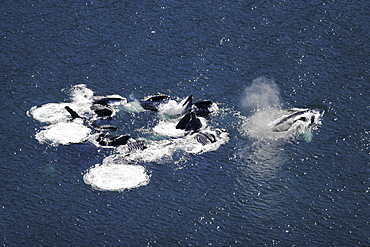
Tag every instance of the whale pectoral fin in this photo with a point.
(74, 114)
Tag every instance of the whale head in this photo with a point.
(300, 118)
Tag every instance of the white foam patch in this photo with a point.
(49, 113)
(64, 133)
(80, 94)
(117, 176)
(213, 108)
(168, 128)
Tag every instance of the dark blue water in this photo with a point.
(246, 193)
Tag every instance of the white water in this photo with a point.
(64, 133)
(116, 176)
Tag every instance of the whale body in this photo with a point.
(152, 103)
(106, 100)
(189, 122)
(204, 138)
(303, 116)
(204, 108)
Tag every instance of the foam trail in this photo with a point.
(262, 94)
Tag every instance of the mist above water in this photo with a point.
(263, 93)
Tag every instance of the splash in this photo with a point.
(82, 95)
(172, 108)
(262, 98)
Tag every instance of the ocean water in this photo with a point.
(303, 188)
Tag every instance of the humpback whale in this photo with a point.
(152, 103)
(103, 140)
(204, 108)
(304, 116)
(101, 106)
(204, 138)
(136, 146)
(103, 124)
(102, 110)
(189, 122)
(100, 123)
(187, 104)
(106, 100)
(201, 108)
(121, 140)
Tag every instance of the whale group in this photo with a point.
(98, 113)
(179, 124)
(189, 119)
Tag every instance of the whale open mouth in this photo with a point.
(276, 123)
(298, 119)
